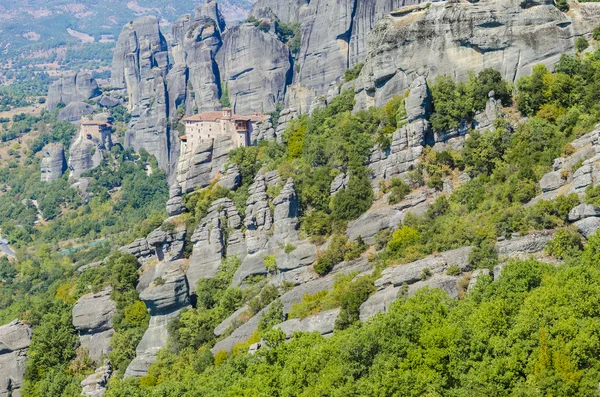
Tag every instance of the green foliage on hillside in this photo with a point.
(530, 333)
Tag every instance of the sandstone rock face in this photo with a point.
(381, 301)
(322, 323)
(95, 385)
(87, 152)
(573, 174)
(15, 339)
(583, 211)
(165, 295)
(303, 255)
(286, 10)
(507, 35)
(154, 339)
(523, 246)
(258, 219)
(212, 243)
(53, 164)
(588, 226)
(259, 82)
(414, 272)
(167, 241)
(199, 169)
(140, 64)
(74, 111)
(407, 142)
(93, 319)
(230, 177)
(75, 88)
(140, 249)
(169, 290)
(175, 205)
(285, 218)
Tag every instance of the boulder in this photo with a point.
(302, 255)
(583, 211)
(168, 292)
(96, 384)
(53, 164)
(525, 245)
(74, 111)
(94, 312)
(323, 323)
(93, 319)
(230, 177)
(167, 241)
(588, 226)
(414, 272)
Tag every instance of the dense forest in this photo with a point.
(533, 332)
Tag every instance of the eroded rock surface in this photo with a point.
(77, 87)
(15, 339)
(93, 319)
(53, 164)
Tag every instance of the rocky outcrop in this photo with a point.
(165, 296)
(140, 249)
(194, 79)
(74, 88)
(219, 234)
(322, 323)
(285, 215)
(524, 246)
(53, 164)
(258, 219)
(167, 241)
(87, 151)
(201, 167)
(93, 319)
(377, 219)
(408, 141)
(95, 385)
(74, 111)
(230, 177)
(381, 301)
(175, 205)
(573, 174)
(588, 226)
(416, 271)
(15, 339)
(506, 35)
(140, 65)
(259, 82)
(583, 211)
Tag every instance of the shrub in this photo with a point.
(581, 44)
(565, 242)
(402, 238)
(270, 262)
(398, 191)
(483, 256)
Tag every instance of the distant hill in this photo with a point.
(30, 26)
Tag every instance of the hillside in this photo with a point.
(273, 208)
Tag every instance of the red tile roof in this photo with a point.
(218, 115)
